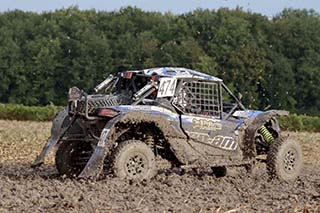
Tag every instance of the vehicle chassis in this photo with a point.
(186, 123)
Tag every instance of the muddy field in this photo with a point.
(24, 189)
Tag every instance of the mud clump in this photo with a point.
(25, 189)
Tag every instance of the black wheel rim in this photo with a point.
(290, 160)
(136, 165)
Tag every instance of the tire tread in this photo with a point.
(273, 159)
(120, 149)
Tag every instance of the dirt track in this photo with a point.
(23, 189)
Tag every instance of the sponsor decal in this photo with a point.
(206, 124)
(103, 137)
(223, 142)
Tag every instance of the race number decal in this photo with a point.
(167, 87)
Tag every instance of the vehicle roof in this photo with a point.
(176, 72)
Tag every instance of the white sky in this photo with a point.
(265, 7)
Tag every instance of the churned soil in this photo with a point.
(23, 189)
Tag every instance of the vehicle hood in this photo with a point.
(246, 113)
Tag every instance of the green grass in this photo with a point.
(30, 113)
(300, 123)
(292, 122)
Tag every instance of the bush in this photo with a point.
(292, 122)
(34, 113)
(300, 123)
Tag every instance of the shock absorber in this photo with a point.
(149, 141)
(266, 134)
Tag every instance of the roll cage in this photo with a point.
(203, 97)
(188, 95)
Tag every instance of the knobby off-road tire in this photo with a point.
(134, 160)
(72, 156)
(284, 159)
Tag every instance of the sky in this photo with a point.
(265, 7)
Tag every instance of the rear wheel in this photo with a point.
(284, 159)
(72, 156)
(134, 160)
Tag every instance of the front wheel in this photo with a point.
(133, 159)
(72, 156)
(284, 159)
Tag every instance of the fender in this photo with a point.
(250, 126)
(167, 122)
(58, 122)
(62, 124)
(95, 164)
(254, 123)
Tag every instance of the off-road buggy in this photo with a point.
(189, 118)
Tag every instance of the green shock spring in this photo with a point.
(266, 134)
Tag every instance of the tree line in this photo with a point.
(274, 62)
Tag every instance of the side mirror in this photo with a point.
(240, 96)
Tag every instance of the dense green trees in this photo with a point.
(273, 63)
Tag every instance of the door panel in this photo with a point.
(213, 136)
